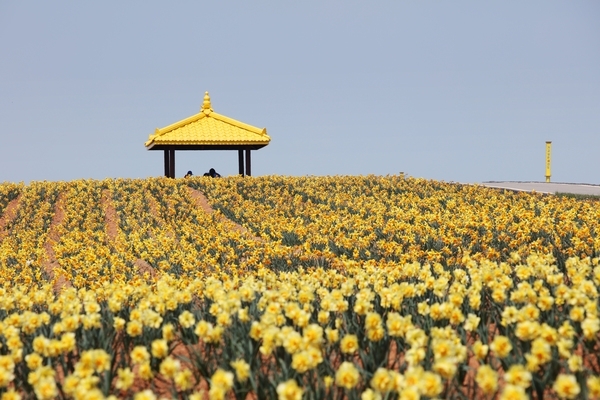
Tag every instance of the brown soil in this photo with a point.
(202, 202)
(9, 215)
(50, 263)
(145, 269)
(110, 216)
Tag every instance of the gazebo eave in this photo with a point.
(157, 146)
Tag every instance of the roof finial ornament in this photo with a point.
(206, 106)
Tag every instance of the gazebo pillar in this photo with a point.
(167, 163)
(241, 162)
(248, 162)
(172, 163)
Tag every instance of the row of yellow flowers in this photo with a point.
(175, 235)
(9, 192)
(373, 330)
(360, 287)
(307, 221)
(399, 219)
(22, 248)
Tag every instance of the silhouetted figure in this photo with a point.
(213, 173)
(188, 175)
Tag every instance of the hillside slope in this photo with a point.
(87, 232)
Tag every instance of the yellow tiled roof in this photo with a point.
(209, 128)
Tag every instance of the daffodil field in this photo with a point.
(345, 287)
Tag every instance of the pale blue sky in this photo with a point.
(458, 91)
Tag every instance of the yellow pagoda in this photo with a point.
(208, 130)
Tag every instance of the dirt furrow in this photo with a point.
(8, 216)
(110, 216)
(202, 202)
(50, 264)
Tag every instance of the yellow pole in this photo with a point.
(548, 159)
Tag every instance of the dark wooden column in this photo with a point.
(241, 162)
(167, 163)
(248, 173)
(172, 163)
